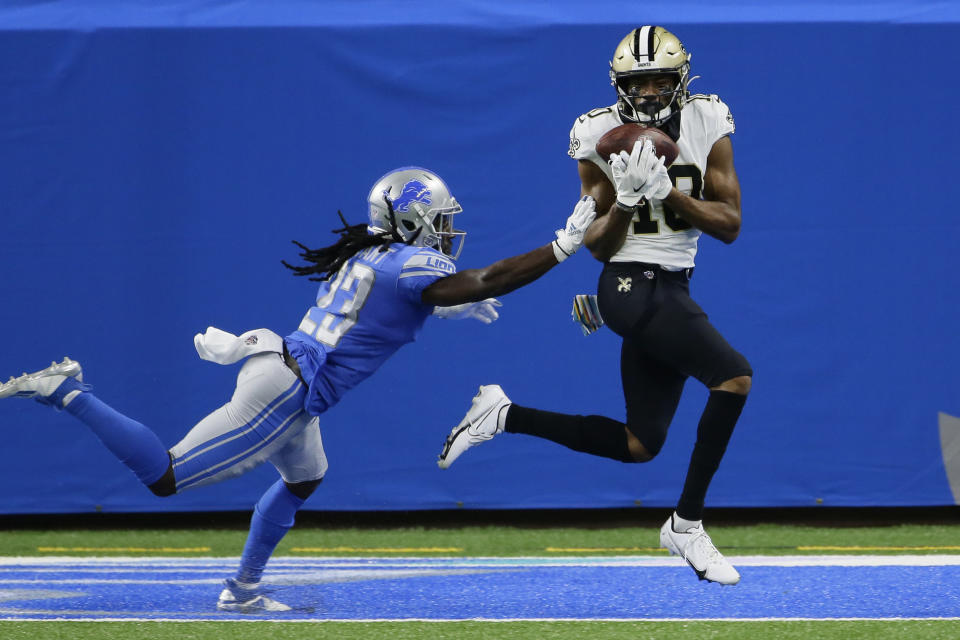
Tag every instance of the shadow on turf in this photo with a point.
(533, 518)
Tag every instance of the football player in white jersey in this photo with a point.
(650, 218)
(378, 285)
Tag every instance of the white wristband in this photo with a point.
(559, 253)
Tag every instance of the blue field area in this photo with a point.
(487, 588)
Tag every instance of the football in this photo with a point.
(623, 137)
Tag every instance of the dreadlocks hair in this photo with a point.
(353, 238)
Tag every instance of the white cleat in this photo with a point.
(241, 600)
(481, 423)
(696, 547)
(41, 384)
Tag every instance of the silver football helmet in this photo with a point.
(417, 205)
(644, 51)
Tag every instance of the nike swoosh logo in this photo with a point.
(471, 429)
(637, 189)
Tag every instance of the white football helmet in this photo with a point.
(422, 209)
(650, 50)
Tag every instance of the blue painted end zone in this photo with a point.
(445, 589)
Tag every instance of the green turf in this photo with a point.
(826, 630)
(482, 541)
(485, 540)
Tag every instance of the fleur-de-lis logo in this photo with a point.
(624, 284)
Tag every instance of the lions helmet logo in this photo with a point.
(413, 191)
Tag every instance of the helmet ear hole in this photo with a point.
(408, 225)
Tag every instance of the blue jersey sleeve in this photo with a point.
(422, 269)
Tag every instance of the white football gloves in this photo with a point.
(485, 311)
(639, 174)
(570, 238)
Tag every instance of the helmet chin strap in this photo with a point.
(658, 115)
(653, 109)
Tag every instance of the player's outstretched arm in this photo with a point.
(508, 274)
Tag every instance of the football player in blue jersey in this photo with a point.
(378, 284)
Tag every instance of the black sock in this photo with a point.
(596, 435)
(713, 433)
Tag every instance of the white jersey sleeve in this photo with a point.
(710, 119)
(587, 130)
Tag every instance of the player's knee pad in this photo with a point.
(166, 485)
(303, 490)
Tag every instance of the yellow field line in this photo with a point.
(802, 548)
(376, 549)
(868, 548)
(344, 549)
(601, 549)
(124, 549)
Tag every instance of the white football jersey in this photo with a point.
(657, 235)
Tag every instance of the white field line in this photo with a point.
(454, 620)
(141, 564)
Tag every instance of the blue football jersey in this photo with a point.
(363, 314)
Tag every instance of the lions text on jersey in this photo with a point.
(364, 313)
(657, 235)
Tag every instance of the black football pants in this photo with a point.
(666, 338)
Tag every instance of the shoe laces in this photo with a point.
(701, 541)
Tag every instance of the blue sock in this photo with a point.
(55, 399)
(272, 518)
(134, 444)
